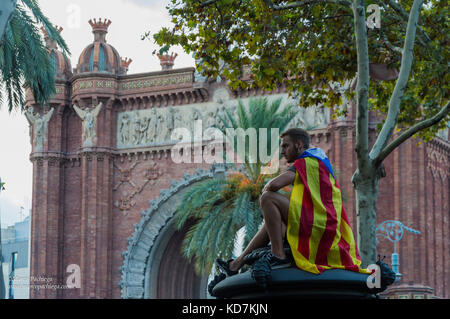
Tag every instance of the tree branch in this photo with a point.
(400, 86)
(362, 88)
(397, 8)
(389, 44)
(411, 131)
(207, 3)
(298, 4)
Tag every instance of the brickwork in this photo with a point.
(87, 201)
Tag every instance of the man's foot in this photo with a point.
(276, 263)
(224, 266)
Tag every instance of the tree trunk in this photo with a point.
(6, 11)
(366, 199)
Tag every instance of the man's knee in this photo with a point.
(266, 197)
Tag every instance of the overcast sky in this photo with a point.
(130, 20)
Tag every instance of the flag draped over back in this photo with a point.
(318, 231)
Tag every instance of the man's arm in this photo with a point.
(285, 179)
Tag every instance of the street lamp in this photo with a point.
(393, 230)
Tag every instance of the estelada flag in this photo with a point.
(318, 231)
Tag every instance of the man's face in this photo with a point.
(289, 149)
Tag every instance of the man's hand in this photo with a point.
(285, 179)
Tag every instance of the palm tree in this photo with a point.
(222, 206)
(24, 59)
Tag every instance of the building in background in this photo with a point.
(15, 259)
(105, 188)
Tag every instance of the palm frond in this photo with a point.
(223, 206)
(24, 60)
(42, 19)
(200, 196)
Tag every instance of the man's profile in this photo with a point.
(313, 219)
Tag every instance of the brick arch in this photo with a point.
(150, 242)
(169, 275)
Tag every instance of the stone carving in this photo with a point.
(170, 123)
(437, 162)
(198, 77)
(125, 129)
(161, 125)
(221, 95)
(311, 118)
(149, 175)
(194, 116)
(154, 127)
(125, 175)
(299, 122)
(40, 126)
(89, 118)
(211, 118)
(319, 116)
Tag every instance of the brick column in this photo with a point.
(46, 268)
(96, 223)
(96, 211)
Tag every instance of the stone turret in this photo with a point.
(167, 61)
(61, 62)
(100, 56)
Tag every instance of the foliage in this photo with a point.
(222, 206)
(2, 186)
(24, 59)
(259, 115)
(312, 45)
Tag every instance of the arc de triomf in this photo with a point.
(105, 186)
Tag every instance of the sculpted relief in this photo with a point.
(89, 119)
(154, 127)
(39, 125)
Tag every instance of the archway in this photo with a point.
(171, 275)
(151, 264)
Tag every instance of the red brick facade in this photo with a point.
(87, 201)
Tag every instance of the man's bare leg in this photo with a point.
(261, 239)
(275, 208)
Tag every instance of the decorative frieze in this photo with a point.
(157, 81)
(153, 127)
(53, 159)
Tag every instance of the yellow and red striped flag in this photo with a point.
(318, 231)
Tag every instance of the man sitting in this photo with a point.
(313, 219)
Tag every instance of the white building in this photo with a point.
(15, 259)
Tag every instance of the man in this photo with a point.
(313, 219)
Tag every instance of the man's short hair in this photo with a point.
(298, 134)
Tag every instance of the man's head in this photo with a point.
(293, 142)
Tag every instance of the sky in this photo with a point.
(130, 20)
